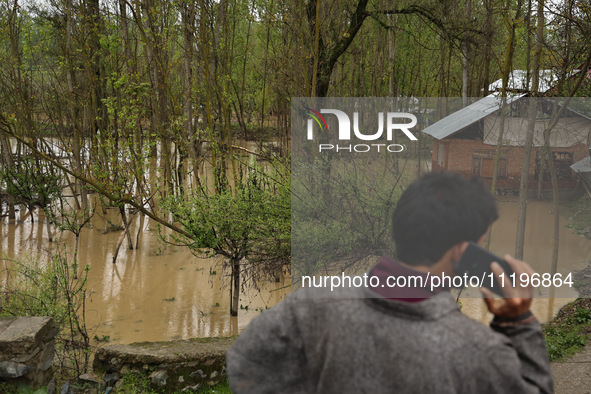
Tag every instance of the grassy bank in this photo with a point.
(140, 384)
(570, 330)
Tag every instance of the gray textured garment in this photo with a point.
(374, 345)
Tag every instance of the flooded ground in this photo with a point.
(574, 254)
(160, 293)
(153, 293)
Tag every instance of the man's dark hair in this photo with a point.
(438, 211)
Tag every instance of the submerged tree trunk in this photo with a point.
(541, 172)
(555, 208)
(48, 215)
(8, 163)
(235, 287)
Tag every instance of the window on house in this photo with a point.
(562, 163)
(440, 153)
(483, 164)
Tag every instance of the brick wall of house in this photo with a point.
(458, 156)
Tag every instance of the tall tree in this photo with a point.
(529, 136)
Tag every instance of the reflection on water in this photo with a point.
(160, 293)
(153, 293)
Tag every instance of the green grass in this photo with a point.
(7, 388)
(223, 387)
(136, 383)
(570, 331)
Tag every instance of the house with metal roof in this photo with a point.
(583, 170)
(466, 141)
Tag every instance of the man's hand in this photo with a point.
(517, 300)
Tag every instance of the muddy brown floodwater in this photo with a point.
(154, 293)
(574, 253)
(158, 293)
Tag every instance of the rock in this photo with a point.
(24, 335)
(119, 384)
(66, 389)
(111, 378)
(171, 366)
(24, 358)
(159, 378)
(146, 354)
(224, 371)
(192, 388)
(51, 387)
(46, 357)
(10, 369)
(6, 322)
(197, 374)
(27, 349)
(90, 380)
(113, 364)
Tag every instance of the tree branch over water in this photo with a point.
(98, 187)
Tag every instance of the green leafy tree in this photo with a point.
(248, 225)
(33, 183)
(38, 287)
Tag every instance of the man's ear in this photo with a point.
(458, 250)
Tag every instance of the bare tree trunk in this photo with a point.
(316, 48)
(529, 136)
(139, 230)
(555, 207)
(126, 224)
(392, 36)
(541, 171)
(8, 163)
(126, 233)
(489, 35)
(235, 287)
(48, 216)
(507, 61)
(466, 60)
(124, 30)
(74, 115)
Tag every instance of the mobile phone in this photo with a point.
(475, 262)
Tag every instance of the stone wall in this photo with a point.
(175, 366)
(27, 350)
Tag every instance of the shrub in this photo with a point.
(34, 287)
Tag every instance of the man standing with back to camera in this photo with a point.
(402, 340)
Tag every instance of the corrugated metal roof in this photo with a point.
(518, 81)
(582, 165)
(569, 131)
(471, 114)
